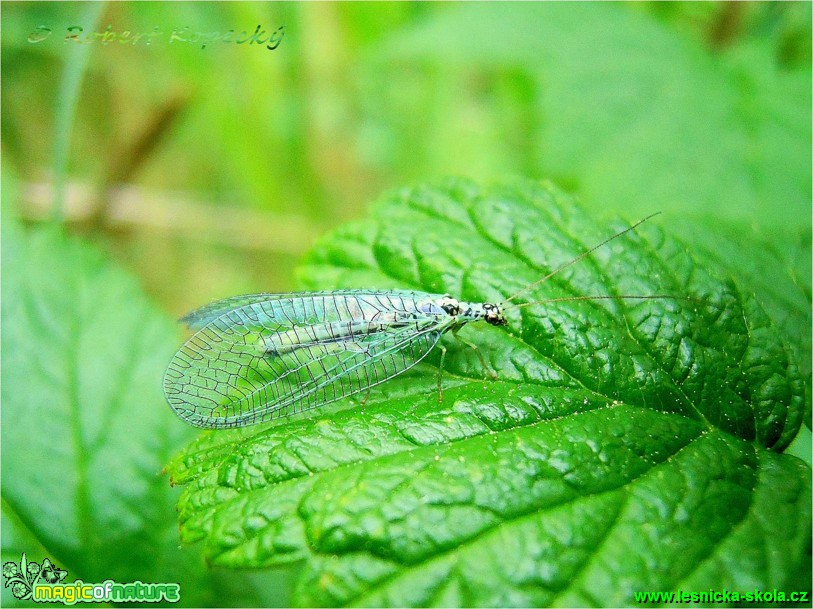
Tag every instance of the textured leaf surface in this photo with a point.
(85, 429)
(778, 271)
(624, 446)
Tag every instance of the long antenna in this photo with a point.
(579, 257)
(569, 298)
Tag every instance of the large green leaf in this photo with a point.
(85, 429)
(624, 445)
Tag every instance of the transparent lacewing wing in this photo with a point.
(265, 356)
(260, 357)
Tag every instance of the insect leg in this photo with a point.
(440, 372)
(479, 353)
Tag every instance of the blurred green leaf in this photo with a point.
(625, 446)
(85, 428)
(17, 539)
(627, 111)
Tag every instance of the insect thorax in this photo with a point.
(465, 312)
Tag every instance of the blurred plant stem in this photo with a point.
(174, 213)
(76, 61)
(726, 26)
(131, 156)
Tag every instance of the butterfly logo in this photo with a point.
(50, 573)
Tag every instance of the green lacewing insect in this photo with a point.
(261, 357)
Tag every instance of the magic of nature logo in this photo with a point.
(44, 583)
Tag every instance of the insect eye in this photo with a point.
(493, 315)
(451, 308)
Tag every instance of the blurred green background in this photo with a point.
(208, 172)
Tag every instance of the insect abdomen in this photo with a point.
(281, 343)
